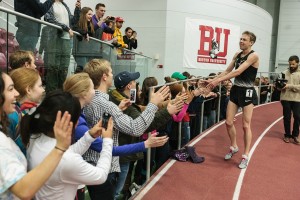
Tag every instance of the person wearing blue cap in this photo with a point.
(125, 82)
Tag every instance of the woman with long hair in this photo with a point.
(85, 49)
(72, 171)
(15, 182)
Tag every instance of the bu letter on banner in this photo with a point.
(209, 44)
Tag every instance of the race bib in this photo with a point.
(249, 93)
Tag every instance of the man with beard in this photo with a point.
(242, 93)
(290, 100)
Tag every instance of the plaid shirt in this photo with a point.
(93, 113)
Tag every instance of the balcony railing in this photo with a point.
(52, 51)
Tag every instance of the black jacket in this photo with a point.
(33, 8)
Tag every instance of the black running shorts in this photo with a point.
(243, 96)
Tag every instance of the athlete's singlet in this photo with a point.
(247, 77)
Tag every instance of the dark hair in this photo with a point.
(127, 29)
(147, 83)
(295, 58)
(4, 120)
(43, 119)
(99, 5)
(186, 74)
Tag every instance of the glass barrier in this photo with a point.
(56, 54)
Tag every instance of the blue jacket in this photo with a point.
(123, 150)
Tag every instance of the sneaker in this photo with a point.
(296, 140)
(231, 152)
(286, 139)
(244, 162)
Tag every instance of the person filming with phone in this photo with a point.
(289, 86)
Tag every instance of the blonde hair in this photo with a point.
(77, 84)
(24, 78)
(95, 68)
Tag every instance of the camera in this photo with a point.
(105, 118)
(280, 82)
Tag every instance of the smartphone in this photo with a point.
(105, 118)
(132, 95)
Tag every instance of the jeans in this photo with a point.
(186, 133)
(105, 191)
(290, 107)
(26, 40)
(122, 178)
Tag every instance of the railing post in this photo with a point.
(179, 135)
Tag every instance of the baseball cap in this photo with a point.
(123, 78)
(178, 75)
(119, 19)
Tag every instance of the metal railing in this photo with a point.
(136, 62)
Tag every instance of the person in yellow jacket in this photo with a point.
(118, 34)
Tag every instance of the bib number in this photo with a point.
(249, 93)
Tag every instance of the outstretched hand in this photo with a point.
(174, 107)
(160, 95)
(154, 141)
(63, 130)
(96, 131)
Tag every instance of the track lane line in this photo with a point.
(149, 185)
(239, 183)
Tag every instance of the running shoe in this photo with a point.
(244, 162)
(231, 152)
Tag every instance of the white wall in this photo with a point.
(288, 32)
(160, 26)
(240, 13)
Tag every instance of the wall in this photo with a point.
(288, 33)
(160, 26)
(242, 14)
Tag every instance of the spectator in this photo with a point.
(59, 49)
(28, 32)
(100, 72)
(15, 182)
(29, 85)
(263, 90)
(72, 170)
(130, 38)
(98, 18)
(85, 50)
(290, 100)
(22, 58)
(81, 86)
(118, 34)
(124, 81)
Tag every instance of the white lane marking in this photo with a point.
(144, 190)
(239, 183)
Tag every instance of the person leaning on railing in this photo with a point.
(28, 31)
